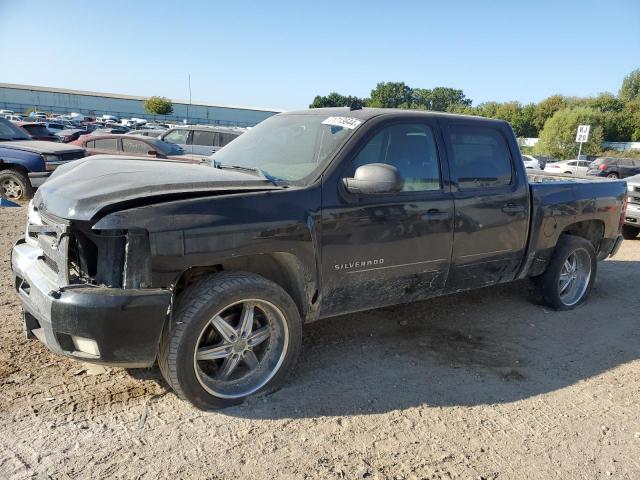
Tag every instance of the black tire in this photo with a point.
(612, 175)
(212, 296)
(548, 284)
(15, 185)
(629, 232)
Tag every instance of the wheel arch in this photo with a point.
(591, 230)
(283, 268)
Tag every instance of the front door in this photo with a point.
(491, 205)
(385, 249)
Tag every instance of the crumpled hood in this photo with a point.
(80, 189)
(38, 146)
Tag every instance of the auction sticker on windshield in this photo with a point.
(346, 122)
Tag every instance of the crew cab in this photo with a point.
(25, 163)
(213, 270)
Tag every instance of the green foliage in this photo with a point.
(335, 99)
(620, 154)
(444, 99)
(605, 102)
(546, 109)
(558, 137)
(29, 110)
(158, 106)
(630, 89)
(391, 95)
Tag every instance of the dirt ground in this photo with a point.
(475, 385)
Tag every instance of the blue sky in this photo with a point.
(280, 54)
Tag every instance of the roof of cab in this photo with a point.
(367, 113)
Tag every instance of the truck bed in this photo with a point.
(563, 203)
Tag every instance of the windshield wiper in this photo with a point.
(257, 171)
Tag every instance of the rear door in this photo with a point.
(384, 249)
(203, 142)
(491, 198)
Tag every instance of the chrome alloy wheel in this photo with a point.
(12, 189)
(241, 348)
(574, 277)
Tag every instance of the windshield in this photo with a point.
(8, 131)
(288, 147)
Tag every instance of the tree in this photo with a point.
(335, 99)
(421, 98)
(547, 108)
(391, 95)
(630, 89)
(605, 102)
(158, 106)
(444, 99)
(558, 137)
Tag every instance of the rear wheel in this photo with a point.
(569, 277)
(234, 335)
(630, 232)
(15, 185)
(612, 175)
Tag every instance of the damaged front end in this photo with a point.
(86, 293)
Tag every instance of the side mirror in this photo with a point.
(374, 178)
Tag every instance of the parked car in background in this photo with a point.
(155, 133)
(7, 112)
(54, 127)
(531, 162)
(614, 167)
(631, 227)
(25, 163)
(70, 135)
(137, 146)
(574, 167)
(14, 118)
(119, 130)
(38, 131)
(201, 140)
(37, 114)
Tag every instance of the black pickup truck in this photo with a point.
(212, 270)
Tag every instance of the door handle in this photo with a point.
(434, 214)
(513, 208)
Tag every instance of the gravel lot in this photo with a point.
(475, 385)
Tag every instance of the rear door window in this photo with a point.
(224, 138)
(133, 146)
(480, 157)
(107, 144)
(203, 138)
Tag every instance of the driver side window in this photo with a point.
(411, 148)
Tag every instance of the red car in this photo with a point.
(134, 146)
(37, 131)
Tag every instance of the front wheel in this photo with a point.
(235, 334)
(15, 185)
(569, 277)
(612, 175)
(629, 232)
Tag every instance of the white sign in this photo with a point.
(583, 133)
(345, 122)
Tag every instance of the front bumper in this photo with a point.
(121, 326)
